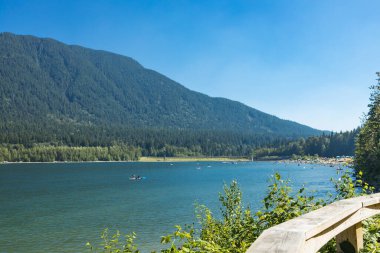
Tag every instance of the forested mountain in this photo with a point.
(46, 86)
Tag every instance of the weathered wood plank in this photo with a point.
(317, 221)
(371, 200)
(278, 241)
(309, 232)
(322, 238)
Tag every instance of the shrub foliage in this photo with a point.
(238, 227)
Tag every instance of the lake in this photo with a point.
(58, 207)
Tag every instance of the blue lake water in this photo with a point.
(59, 207)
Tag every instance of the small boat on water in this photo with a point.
(136, 177)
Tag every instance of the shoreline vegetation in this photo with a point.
(152, 159)
(156, 143)
(17, 153)
(327, 161)
(158, 148)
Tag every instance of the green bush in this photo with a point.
(238, 227)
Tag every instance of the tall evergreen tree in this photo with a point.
(367, 154)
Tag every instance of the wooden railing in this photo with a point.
(309, 232)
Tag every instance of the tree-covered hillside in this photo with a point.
(47, 87)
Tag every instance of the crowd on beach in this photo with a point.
(335, 161)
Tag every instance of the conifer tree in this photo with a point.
(367, 154)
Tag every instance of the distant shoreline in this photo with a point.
(322, 161)
(149, 159)
(192, 159)
(152, 159)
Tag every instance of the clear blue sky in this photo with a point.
(309, 61)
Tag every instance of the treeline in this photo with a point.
(331, 145)
(182, 144)
(151, 141)
(43, 153)
(69, 142)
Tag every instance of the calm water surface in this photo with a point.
(59, 207)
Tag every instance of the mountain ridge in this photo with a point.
(42, 79)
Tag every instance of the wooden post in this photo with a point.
(350, 240)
